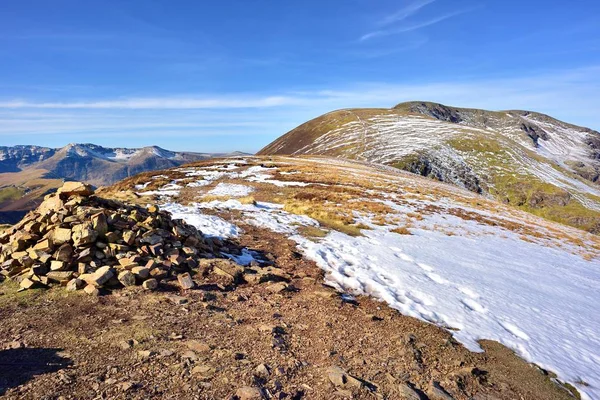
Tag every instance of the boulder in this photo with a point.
(75, 189)
(50, 204)
(203, 371)
(407, 392)
(226, 268)
(262, 372)
(58, 266)
(27, 283)
(83, 234)
(75, 284)
(100, 224)
(278, 287)
(91, 290)
(437, 392)
(126, 278)
(141, 272)
(341, 378)
(44, 245)
(60, 276)
(197, 346)
(150, 284)
(64, 253)
(100, 277)
(129, 237)
(61, 235)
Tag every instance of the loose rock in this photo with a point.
(437, 392)
(127, 278)
(75, 284)
(406, 392)
(185, 281)
(249, 393)
(150, 284)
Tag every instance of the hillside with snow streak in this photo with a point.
(526, 159)
(432, 251)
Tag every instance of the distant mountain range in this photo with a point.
(94, 164)
(27, 173)
(533, 161)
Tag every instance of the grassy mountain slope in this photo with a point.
(526, 159)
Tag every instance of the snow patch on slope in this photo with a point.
(533, 299)
(209, 225)
(231, 189)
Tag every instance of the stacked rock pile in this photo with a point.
(86, 242)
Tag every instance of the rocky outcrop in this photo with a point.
(534, 132)
(435, 110)
(450, 170)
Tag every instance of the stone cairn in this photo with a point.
(81, 241)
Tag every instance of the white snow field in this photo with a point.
(231, 189)
(537, 295)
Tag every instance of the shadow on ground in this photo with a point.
(18, 366)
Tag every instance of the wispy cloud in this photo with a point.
(166, 103)
(368, 53)
(405, 12)
(411, 27)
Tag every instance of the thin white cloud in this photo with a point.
(412, 27)
(159, 103)
(405, 12)
(368, 53)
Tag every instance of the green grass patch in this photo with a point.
(10, 193)
(328, 216)
(11, 295)
(478, 144)
(545, 200)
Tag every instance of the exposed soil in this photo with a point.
(136, 344)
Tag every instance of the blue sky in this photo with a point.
(234, 75)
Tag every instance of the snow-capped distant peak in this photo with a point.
(162, 153)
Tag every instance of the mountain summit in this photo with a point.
(530, 160)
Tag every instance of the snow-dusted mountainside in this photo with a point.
(92, 163)
(27, 173)
(442, 254)
(527, 159)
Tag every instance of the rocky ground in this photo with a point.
(295, 339)
(271, 329)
